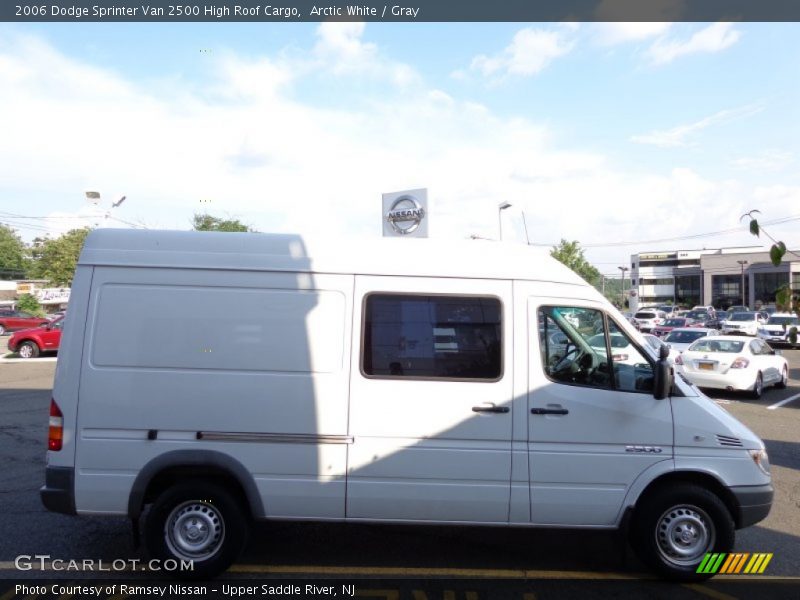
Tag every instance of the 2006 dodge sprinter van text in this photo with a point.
(208, 379)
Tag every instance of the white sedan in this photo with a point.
(734, 364)
(681, 338)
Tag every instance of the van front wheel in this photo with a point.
(196, 523)
(675, 527)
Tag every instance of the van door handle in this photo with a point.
(549, 411)
(490, 408)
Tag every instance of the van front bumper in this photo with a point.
(754, 501)
(58, 491)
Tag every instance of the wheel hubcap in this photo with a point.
(684, 534)
(25, 352)
(194, 530)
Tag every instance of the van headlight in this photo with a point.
(761, 458)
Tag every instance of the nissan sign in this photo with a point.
(405, 213)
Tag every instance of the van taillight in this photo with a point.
(56, 434)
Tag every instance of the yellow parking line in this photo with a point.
(701, 589)
(429, 572)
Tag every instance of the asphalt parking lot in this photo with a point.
(504, 557)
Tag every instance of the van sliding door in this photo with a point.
(430, 400)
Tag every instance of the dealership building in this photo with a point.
(703, 277)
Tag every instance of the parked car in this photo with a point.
(777, 328)
(29, 343)
(770, 309)
(655, 343)
(670, 324)
(738, 308)
(14, 320)
(679, 340)
(707, 321)
(647, 319)
(734, 364)
(705, 308)
(743, 323)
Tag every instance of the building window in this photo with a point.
(726, 290)
(660, 281)
(687, 290)
(423, 337)
(766, 284)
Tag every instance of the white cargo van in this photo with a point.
(208, 379)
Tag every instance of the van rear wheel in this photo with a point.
(676, 526)
(198, 522)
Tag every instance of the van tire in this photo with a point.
(199, 521)
(668, 514)
(28, 350)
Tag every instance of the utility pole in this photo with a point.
(742, 263)
(603, 279)
(622, 285)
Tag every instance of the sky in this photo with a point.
(620, 136)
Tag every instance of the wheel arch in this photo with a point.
(209, 465)
(699, 478)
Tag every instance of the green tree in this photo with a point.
(30, 304)
(786, 298)
(571, 254)
(55, 259)
(12, 254)
(205, 222)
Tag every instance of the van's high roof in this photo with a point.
(482, 259)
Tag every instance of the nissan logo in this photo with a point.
(405, 215)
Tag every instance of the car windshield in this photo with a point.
(645, 315)
(728, 346)
(674, 323)
(743, 316)
(684, 337)
(783, 321)
(697, 314)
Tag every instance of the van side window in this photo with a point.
(575, 346)
(572, 342)
(443, 337)
(632, 371)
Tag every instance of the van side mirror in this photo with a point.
(662, 377)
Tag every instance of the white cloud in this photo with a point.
(714, 38)
(340, 47)
(531, 50)
(611, 34)
(767, 160)
(681, 135)
(246, 145)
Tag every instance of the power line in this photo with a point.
(778, 221)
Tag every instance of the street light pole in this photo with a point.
(742, 263)
(500, 208)
(622, 286)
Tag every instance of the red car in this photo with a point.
(13, 320)
(29, 343)
(670, 324)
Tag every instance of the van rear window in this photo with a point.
(443, 337)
